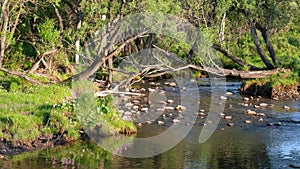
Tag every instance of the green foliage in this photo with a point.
(111, 116)
(92, 111)
(49, 34)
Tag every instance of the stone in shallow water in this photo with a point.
(228, 117)
(144, 109)
(176, 121)
(201, 114)
(250, 112)
(274, 124)
(246, 99)
(128, 105)
(172, 84)
(149, 122)
(140, 125)
(261, 114)
(136, 108)
(151, 90)
(256, 106)
(263, 104)
(286, 107)
(162, 102)
(245, 104)
(170, 101)
(180, 107)
(230, 124)
(160, 110)
(136, 102)
(248, 121)
(223, 98)
(277, 124)
(160, 122)
(169, 108)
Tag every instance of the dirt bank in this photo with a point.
(274, 92)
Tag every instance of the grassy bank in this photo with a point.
(283, 85)
(29, 113)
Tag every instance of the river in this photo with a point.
(255, 145)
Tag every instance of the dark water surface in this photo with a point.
(242, 146)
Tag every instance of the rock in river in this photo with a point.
(160, 122)
(250, 112)
(170, 101)
(169, 108)
(160, 110)
(246, 99)
(286, 107)
(136, 108)
(144, 109)
(139, 125)
(176, 121)
(179, 107)
(230, 124)
(172, 84)
(263, 104)
(261, 114)
(248, 121)
(228, 117)
(223, 98)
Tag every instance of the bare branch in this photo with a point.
(100, 60)
(20, 75)
(36, 65)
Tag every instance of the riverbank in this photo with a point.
(34, 117)
(277, 87)
(237, 146)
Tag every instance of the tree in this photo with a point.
(10, 14)
(241, 17)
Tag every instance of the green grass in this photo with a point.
(280, 79)
(29, 111)
(25, 109)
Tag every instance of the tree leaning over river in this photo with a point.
(46, 37)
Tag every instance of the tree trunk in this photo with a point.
(77, 43)
(4, 31)
(258, 47)
(233, 58)
(265, 34)
(61, 24)
(101, 59)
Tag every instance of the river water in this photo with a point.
(255, 145)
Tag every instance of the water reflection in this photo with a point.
(242, 146)
(233, 148)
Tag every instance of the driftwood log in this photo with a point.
(225, 72)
